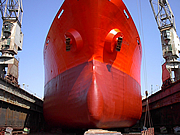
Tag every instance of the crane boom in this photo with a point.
(169, 39)
(11, 10)
(163, 14)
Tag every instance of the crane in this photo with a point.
(169, 39)
(11, 38)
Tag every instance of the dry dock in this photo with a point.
(18, 108)
(164, 107)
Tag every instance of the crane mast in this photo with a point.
(169, 39)
(11, 39)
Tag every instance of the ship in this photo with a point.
(92, 64)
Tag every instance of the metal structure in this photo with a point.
(11, 38)
(164, 107)
(169, 39)
(18, 108)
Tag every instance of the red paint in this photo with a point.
(92, 85)
(76, 39)
(166, 74)
(111, 40)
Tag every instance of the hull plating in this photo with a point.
(93, 94)
(92, 85)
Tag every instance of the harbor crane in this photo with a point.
(11, 39)
(169, 39)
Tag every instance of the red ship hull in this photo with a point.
(92, 85)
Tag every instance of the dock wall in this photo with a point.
(18, 108)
